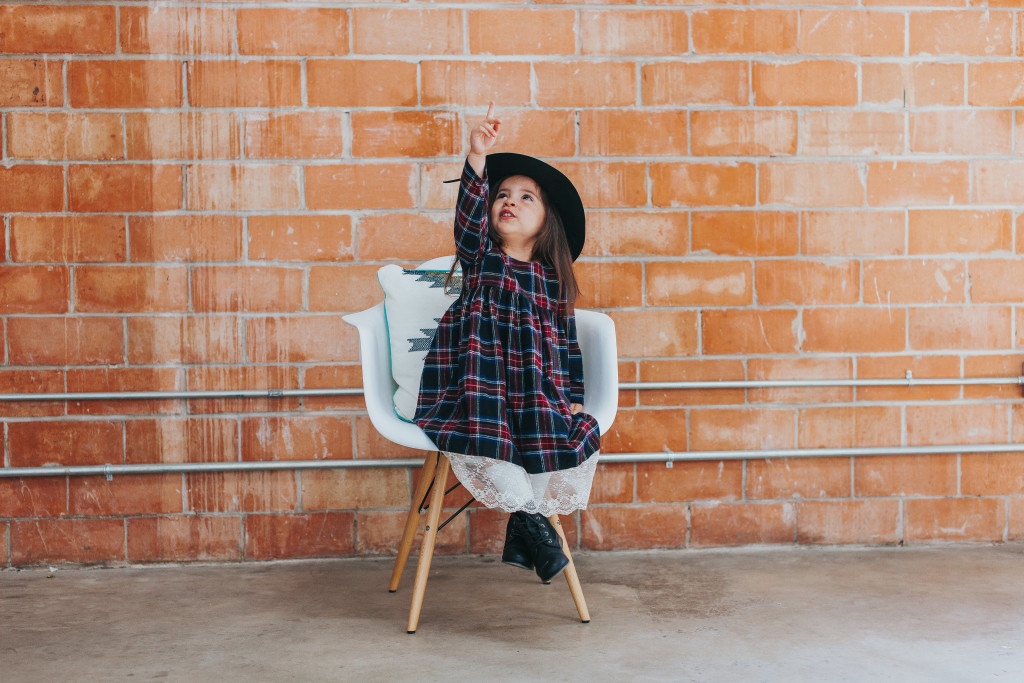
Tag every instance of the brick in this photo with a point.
(386, 236)
(584, 84)
(942, 231)
(849, 427)
(799, 368)
(992, 366)
(261, 377)
(656, 333)
(608, 184)
(31, 83)
(746, 233)
(606, 132)
(344, 288)
(992, 280)
(407, 31)
(301, 339)
(109, 379)
(991, 474)
(44, 381)
(300, 238)
(607, 284)
(851, 133)
(995, 84)
(56, 541)
(405, 134)
(181, 440)
(355, 489)
(689, 83)
(246, 288)
(716, 429)
(361, 186)
(378, 532)
(956, 424)
(820, 83)
(948, 132)
(523, 31)
(688, 184)
(274, 537)
(184, 538)
(976, 519)
(305, 135)
(130, 84)
(699, 283)
(296, 437)
(124, 187)
(287, 31)
(838, 32)
(231, 187)
(333, 377)
(64, 341)
(841, 330)
(370, 444)
(633, 233)
(804, 282)
(689, 480)
(62, 442)
(434, 193)
(848, 521)
(33, 289)
(176, 30)
(742, 524)
(728, 31)
(190, 237)
(131, 289)
(799, 478)
(65, 136)
(914, 281)
(184, 339)
(613, 483)
(743, 133)
(624, 32)
(749, 331)
(361, 83)
(690, 370)
(920, 84)
(486, 532)
(852, 233)
(646, 431)
(259, 491)
(997, 182)
(923, 183)
(1015, 523)
(31, 188)
(627, 527)
(125, 495)
(36, 29)
(960, 33)
(67, 239)
(960, 327)
(185, 135)
(35, 497)
(895, 367)
(245, 83)
(539, 133)
(813, 184)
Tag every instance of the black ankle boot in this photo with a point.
(517, 550)
(548, 558)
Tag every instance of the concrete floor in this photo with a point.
(950, 613)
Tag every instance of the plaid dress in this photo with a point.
(504, 364)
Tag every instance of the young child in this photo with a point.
(502, 386)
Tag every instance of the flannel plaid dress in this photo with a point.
(504, 364)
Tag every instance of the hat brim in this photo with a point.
(559, 189)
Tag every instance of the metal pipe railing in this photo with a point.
(668, 458)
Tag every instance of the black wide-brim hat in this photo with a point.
(561, 192)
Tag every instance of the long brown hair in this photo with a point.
(551, 248)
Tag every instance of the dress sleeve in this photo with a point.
(471, 241)
(575, 363)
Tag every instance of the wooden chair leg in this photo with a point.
(570, 574)
(412, 522)
(429, 536)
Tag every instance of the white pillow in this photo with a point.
(414, 301)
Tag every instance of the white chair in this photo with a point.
(596, 334)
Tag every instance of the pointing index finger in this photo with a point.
(490, 111)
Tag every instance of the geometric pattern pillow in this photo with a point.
(414, 301)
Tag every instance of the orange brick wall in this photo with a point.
(193, 194)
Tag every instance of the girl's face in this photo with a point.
(518, 214)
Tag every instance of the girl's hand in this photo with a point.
(482, 138)
(575, 408)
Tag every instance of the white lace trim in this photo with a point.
(500, 484)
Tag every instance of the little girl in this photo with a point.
(502, 386)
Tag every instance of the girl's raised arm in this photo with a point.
(481, 139)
